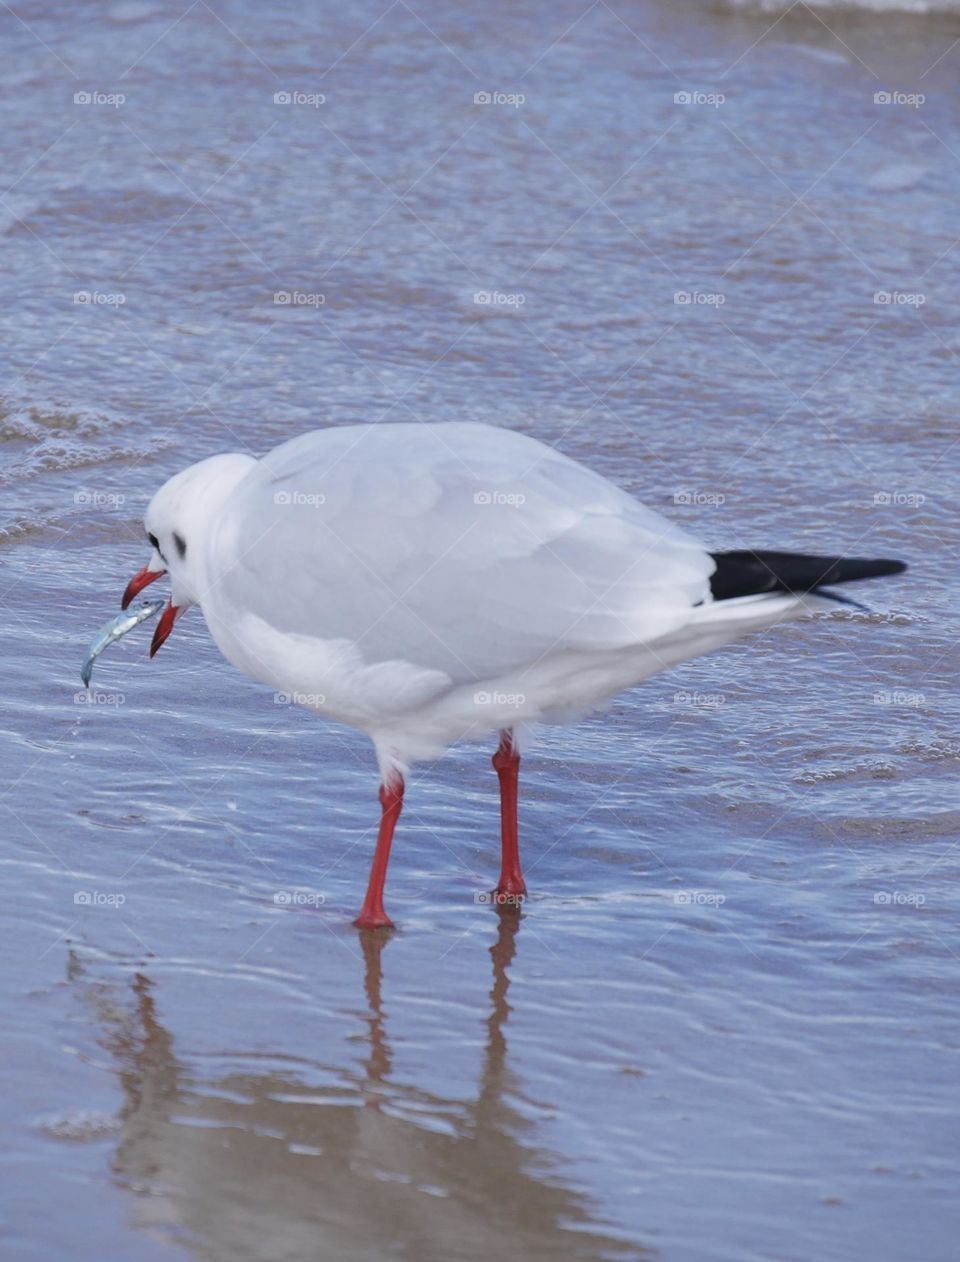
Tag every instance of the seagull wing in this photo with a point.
(457, 547)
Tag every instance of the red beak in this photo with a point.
(143, 578)
(164, 627)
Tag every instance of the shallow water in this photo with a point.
(725, 1025)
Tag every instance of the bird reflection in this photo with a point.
(266, 1167)
(380, 1059)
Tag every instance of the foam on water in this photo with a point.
(918, 8)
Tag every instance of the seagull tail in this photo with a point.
(748, 573)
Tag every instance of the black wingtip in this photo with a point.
(749, 573)
(878, 568)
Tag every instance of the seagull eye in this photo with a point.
(153, 541)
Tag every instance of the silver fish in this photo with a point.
(114, 630)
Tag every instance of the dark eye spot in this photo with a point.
(153, 541)
(181, 544)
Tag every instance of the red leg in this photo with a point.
(506, 761)
(372, 915)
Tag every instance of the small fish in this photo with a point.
(114, 630)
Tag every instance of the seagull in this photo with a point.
(429, 583)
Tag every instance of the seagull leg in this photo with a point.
(372, 915)
(511, 887)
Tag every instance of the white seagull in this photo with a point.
(428, 583)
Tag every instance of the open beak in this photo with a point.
(164, 626)
(143, 578)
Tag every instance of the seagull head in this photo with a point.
(179, 523)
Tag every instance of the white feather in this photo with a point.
(428, 583)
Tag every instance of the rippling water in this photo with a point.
(725, 1025)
